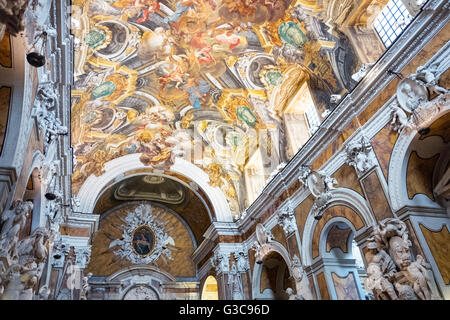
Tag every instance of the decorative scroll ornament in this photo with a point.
(286, 219)
(320, 185)
(359, 155)
(144, 239)
(391, 273)
(414, 107)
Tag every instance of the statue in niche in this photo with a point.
(392, 273)
(235, 283)
(85, 286)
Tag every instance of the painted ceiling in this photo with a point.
(212, 81)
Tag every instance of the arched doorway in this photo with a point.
(341, 264)
(210, 290)
(273, 278)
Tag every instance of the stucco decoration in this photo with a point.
(141, 293)
(360, 155)
(391, 273)
(286, 219)
(320, 185)
(45, 108)
(220, 261)
(235, 283)
(24, 272)
(263, 244)
(414, 107)
(13, 222)
(144, 238)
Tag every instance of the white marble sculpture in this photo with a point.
(359, 155)
(320, 185)
(13, 221)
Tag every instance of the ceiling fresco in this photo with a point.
(216, 82)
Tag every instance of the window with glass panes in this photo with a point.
(391, 21)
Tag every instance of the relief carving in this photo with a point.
(24, 272)
(392, 275)
(320, 185)
(413, 107)
(45, 105)
(360, 156)
(286, 219)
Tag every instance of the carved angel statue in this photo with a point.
(428, 76)
(399, 118)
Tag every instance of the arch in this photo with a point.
(257, 269)
(116, 169)
(328, 227)
(210, 289)
(398, 192)
(140, 275)
(339, 196)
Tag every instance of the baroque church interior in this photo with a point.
(224, 150)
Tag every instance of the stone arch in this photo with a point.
(141, 275)
(340, 197)
(327, 230)
(398, 165)
(116, 169)
(257, 269)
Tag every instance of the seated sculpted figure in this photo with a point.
(379, 285)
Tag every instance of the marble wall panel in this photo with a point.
(377, 198)
(439, 244)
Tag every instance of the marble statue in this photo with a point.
(235, 283)
(22, 276)
(13, 222)
(359, 155)
(85, 286)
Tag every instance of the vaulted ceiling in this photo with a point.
(212, 81)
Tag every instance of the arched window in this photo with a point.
(210, 291)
